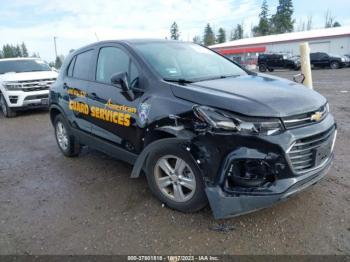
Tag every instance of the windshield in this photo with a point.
(26, 65)
(186, 61)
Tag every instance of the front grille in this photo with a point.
(37, 85)
(304, 119)
(311, 152)
(36, 97)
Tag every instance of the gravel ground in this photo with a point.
(50, 204)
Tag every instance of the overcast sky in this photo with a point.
(75, 22)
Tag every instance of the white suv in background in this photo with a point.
(24, 84)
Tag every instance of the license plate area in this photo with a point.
(323, 152)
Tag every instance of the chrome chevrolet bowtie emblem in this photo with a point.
(316, 117)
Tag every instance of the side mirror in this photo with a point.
(121, 79)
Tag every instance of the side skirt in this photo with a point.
(105, 147)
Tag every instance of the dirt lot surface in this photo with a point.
(50, 204)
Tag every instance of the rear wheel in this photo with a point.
(7, 111)
(175, 179)
(335, 65)
(262, 68)
(65, 140)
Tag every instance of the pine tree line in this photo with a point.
(278, 23)
(10, 51)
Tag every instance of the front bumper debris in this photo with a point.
(258, 172)
(226, 205)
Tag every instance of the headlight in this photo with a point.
(343, 59)
(225, 121)
(12, 86)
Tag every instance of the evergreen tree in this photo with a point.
(309, 23)
(336, 24)
(263, 27)
(221, 36)
(59, 61)
(197, 39)
(174, 32)
(36, 55)
(282, 21)
(209, 37)
(17, 51)
(237, 32)
(24, 50)
(8, 51)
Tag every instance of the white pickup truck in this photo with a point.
(24, 84)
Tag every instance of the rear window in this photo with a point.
(82, 65)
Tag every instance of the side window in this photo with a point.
(133, 75)
(82, 64)
(71, 66)
(111, 60)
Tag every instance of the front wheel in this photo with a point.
(65, 140)
(335, 65)
(7, 111)
(262, 68)
(175, 179)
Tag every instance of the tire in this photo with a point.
(66, 142)
(271, 69)
(262, 68)
(7, 111)
(185, 177)
(335, 65)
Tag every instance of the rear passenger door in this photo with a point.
(324, 59)
(113, 114)
(76, 85)
(315, 59)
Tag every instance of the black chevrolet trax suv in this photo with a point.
(201, 128)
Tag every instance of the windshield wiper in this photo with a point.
(217, 77)
(178, 80)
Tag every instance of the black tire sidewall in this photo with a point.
(199, 199)
(262, 68)
(71, 150)
(9, 113)
(337, 65)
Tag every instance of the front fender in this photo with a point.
(142, 158)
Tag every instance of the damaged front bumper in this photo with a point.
(226, 205)
(260, 171)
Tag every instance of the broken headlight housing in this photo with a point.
(224, 121)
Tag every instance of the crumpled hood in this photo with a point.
(10, 77)
(253, 95)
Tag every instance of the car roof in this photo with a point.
(128, 42)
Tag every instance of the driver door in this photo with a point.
(114, 115)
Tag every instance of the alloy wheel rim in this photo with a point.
(175, 178)
(61, 134)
